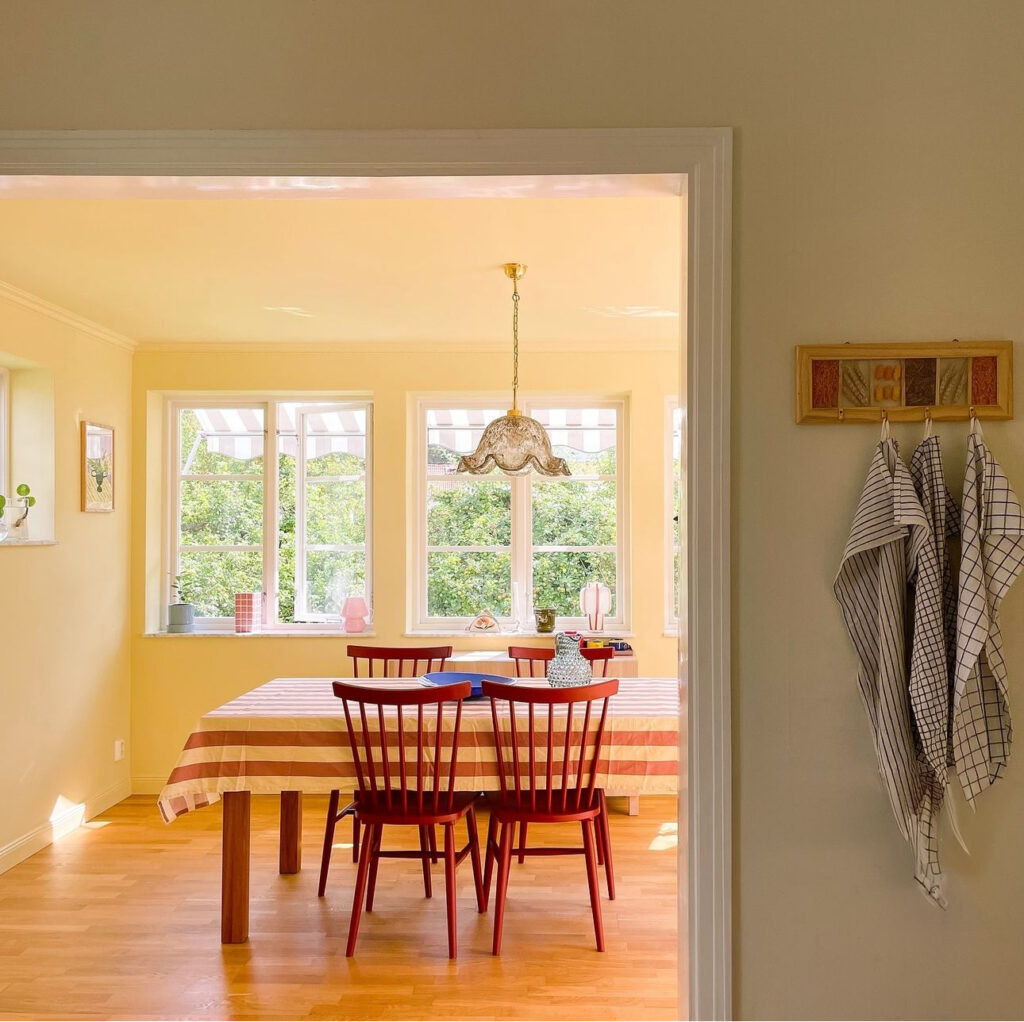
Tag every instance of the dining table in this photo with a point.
(288, 737)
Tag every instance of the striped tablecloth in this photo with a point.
(289, 735)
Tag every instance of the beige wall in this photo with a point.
(175, 679)
(877, 197)
(64, 608)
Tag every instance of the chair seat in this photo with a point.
(373, 808)
(515, 808)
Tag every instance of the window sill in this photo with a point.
(500, 634)
(277, 633)
(27, 542)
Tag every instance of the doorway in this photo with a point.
(704, 158)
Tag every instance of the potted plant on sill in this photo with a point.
(18, 529)
(181, 617)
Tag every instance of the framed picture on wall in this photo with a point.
(97, 467)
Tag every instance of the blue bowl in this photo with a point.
(453, 677)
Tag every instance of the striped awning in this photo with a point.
(238, 432)
(587, 430)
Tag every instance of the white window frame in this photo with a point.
(673, 530)
(269, 405)
(522, 549)
(5, 432)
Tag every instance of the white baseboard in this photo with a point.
(148, 784)
(46, 833)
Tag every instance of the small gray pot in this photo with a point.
(181, 617)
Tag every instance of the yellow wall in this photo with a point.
(877, 197)
(64, 609)
(177, 678)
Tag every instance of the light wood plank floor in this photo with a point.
(119, 920)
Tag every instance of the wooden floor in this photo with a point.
(119, 920)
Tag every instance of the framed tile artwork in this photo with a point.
(97, 467)
(905, 381)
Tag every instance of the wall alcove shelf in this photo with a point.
(904, 382)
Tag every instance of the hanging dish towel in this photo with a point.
(891, 545)
(934, 652)
(992, 555)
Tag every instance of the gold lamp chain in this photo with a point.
(515, 344)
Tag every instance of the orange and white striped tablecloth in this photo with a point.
(289, 735)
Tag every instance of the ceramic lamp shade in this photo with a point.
(354, 612)
(595, 602)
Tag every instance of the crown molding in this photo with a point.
(404, 347)
(16, 296)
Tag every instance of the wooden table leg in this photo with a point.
(632, 805)
(290, 859)
(234, 878)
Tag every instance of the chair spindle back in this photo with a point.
(571, 743)
(399, 748)
(598, 655)
(531, 661)
(419, 659)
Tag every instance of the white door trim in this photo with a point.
(705, 156)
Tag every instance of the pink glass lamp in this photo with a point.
(354, 612)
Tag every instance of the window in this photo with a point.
(295, 526)
(508, 544)
(675, 516)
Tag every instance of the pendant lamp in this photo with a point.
(514, 442)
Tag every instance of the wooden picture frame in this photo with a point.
(97, 467)
(904, 382)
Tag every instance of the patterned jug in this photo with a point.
(569, 667)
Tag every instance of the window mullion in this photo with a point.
(522, 528)
(300, 517)
(270, 511)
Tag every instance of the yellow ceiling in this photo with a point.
(603, 271)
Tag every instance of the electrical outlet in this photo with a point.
(118, 750)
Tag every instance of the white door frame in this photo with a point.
(704, 155)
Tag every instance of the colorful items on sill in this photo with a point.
(485, 621)
(248, 612)
(354, 612)
(595, 602)
(17, 529)
(545, 617)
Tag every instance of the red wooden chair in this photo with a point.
(414, 656)
(536, 660)
(531, 661)
(406, 766)
(558, 789)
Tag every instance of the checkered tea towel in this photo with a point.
(992, 555)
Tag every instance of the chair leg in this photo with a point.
(595, 891)
(434, 857)
(604, 828)
(449, 889)
(522, 842)
(501, 889)
(358, 894)
(355, 833)
(474, 855)
(599, 845)
(490, 850)
(374, 833)
(425, 861)
(325, 859)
